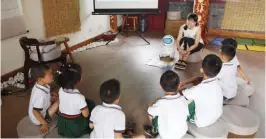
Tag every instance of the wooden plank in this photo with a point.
(235, 34)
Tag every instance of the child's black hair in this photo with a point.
(229, 51)
(68, 76)
(169, 81)
(192, 16)
(38, 71)
(211, 65)
(110, 91)
(230, 41)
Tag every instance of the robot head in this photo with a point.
(168, 40)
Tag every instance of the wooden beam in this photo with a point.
(84, 43)
(235, 34)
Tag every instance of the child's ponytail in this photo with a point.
(68, 76)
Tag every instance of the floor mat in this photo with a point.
(244, 41)
(259, 42)
(251, 47)
(217, 41)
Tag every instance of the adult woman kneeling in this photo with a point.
(189, 40)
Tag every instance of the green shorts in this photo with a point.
(191, 108)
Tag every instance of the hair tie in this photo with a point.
(59, 72)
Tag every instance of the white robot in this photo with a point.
(168, 50)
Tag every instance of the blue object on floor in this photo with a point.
(217, 41)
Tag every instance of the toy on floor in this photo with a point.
(167, 54)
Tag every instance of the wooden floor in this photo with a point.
(140, 83)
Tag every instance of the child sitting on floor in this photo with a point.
(169, 113)
(227, 74)
(108, 120)
(74, 109)
(232, 42)
(40, 108)
(205, 99)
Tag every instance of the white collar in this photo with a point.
(111, 106)
(227, 63)
(45, 88)
(171, 96)
(209, 80)
(71, 91)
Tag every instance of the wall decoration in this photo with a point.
(61, 17)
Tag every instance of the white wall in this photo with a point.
(12, 55)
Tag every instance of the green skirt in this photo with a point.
(73, 128)
(76, 127)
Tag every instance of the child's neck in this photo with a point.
(225, 59)
(41, 84)
(170, 93)
(205, 77)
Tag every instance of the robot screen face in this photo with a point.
(168, 40)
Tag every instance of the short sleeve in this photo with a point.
(93, 115)
(190, 93)
(82, 104)
(222, 72)
(235, 61)
(38, 103)
(153, 110)
(120, 123)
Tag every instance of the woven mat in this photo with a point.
(244, 15)
(61, 17)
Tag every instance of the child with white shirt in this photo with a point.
(74, 109)
(205, 99)
(169, 113)
(108, 120)
(40, 108)
(232, 42)
(227, 74)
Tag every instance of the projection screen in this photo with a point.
(126, 6)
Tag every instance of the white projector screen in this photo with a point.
(125, 6)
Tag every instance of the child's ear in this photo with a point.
(161, 87)
(220, 53)
(117, 100)
(201, 71)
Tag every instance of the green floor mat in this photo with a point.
(259, 42)
(244, 41)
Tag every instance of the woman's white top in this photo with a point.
(192, 33)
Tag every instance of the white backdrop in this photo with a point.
(12, 19)
(126, 4)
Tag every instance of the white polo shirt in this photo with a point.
(71, 102)
(208, 98)
(107, 119)
(227, 78)
(40, 99)
(172, 112)
(235, 61)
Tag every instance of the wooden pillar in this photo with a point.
(113, 23)
(201, 8)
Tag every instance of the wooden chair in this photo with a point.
(37, 52)
(134, 19)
